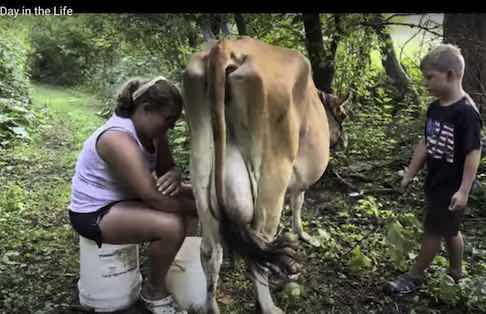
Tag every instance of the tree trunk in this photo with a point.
(241, 24)
(218, 23)
(322, 67)
(468, 32)
(204, 23)
(394, 70)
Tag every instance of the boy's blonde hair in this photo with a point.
(443, 58)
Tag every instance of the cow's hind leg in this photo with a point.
(296, 202)
(211, 259)
(265, 303)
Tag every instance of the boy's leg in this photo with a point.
(455, 250)
(454, 242)
(430, 248)
(408, 282)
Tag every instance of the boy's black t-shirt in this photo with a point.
(451, 132)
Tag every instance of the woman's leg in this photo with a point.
(134, 222)
(191, 222)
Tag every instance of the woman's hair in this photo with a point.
(157, 94)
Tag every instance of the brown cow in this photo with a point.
(258, 130)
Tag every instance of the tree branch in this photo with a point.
(425, 28)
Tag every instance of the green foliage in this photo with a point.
(13, 198)
(362, 240)
(14, 70)
(327, 238)
(354, 70)
(106, 79)
(66, 48)
(444, 288)
(369, 207)
(285, 30)
(15, 114)
(180, 144)
(359, 262)
(38, 255)
(474, 292)
(400, 242)
(15, 117)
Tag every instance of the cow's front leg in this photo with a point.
(211, 259)
(296, 202)
(265, 303)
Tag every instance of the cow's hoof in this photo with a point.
(311, 240)
(213, 307)
(273, 310)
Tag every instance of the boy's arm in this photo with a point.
(417, 162)
(471, 163)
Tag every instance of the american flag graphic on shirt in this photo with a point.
(440, 140)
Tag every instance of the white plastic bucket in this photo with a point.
(109, 278)
(185, 278)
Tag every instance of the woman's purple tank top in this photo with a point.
(94, 183)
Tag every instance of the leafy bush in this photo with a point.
(66, 48)
(15, 117)
(180, 144)
(14, 50)
(106, 79)
(15, 113)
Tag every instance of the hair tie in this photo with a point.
(142, 89)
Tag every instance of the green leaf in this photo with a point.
(359, 261)
(10, 254)
(20, 131)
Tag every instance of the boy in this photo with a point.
(451, 149)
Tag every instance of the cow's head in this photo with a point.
(336, 114)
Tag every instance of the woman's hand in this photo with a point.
(169, 183)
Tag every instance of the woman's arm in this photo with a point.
(164, 161)
(123, 154)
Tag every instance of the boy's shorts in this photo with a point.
(87, 224)
(439, 220)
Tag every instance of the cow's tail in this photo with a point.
(278, 256)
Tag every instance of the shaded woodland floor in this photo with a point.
(40, 260)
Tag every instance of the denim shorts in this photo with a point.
(87, 224)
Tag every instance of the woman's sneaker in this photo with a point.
(166, 305)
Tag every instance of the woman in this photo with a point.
(116, 196)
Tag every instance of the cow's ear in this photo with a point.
(346, 101)
(342, 107)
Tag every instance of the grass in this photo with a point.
(40, 258)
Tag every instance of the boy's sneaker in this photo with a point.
(403, 285)
(457, 276)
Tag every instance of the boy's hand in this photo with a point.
(458, 201)
(405, 179)
(169, 183)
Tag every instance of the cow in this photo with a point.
(258, 130)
